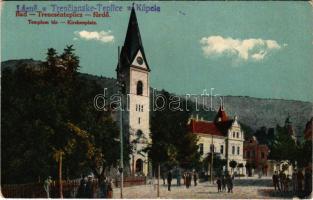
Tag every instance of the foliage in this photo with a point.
(218, 163)
(50, 111)
(172, 143)
(284, 147)
(233, 164)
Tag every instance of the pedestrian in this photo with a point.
(104, 188)
(188, 179)
(195, 178)
(294, 182)
(89, 188)
(229, 182)
(184, 177)
(169, 180)
(282, 177)
(299, 180)
(110, 189)
(277, 185)
(178, 177)
(219, 184)
(223, 183)
(163, 177)
(81, 193)
(286, 183)
(307, 182)
(46, 186)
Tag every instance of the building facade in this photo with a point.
(133, 75)
(223, 135)
(256, 155)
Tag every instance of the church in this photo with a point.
(133, 72)
(223, 135)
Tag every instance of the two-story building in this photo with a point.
(224, 135)
(256, 155)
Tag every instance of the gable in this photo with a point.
(139, 61)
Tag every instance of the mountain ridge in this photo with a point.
(252, 111)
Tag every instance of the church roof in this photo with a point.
(132, 43)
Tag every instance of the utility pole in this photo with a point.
(212, 153)
(158, 195)
(120, 84)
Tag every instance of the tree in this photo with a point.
(172, 143)
(240, 166)
(284, 147)
(42, 115)
(218, 163)
(233, 164)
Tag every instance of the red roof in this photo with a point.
(221, 115)
(205, 127)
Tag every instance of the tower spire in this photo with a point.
(132, 42)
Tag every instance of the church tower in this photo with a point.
(133, 71)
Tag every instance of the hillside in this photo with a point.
(254, 112)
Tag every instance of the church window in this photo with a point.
(139, 88)
(237, 134)
(141, 108)
(139, 133)
(238, 150)
(233, 134)
(233, 150)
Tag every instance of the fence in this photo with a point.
(36, 190)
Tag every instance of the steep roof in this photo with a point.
(210, 128)
(221, 115)
(132, 43)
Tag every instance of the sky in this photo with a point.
(257, 49)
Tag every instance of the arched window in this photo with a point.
(139, 88)
(139, 166)
(139, 133)
(233, 150)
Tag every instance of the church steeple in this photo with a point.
(132, 43)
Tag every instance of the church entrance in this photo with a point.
(139, 166)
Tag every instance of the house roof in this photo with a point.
(132, 44)
(210, 128)
(221, 115)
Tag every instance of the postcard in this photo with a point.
(156, 99)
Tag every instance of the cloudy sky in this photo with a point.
(258, 49)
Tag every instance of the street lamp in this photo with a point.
(120, 91)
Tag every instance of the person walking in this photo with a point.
(195, 178)
(163, 177)
(89, 188)
(282, 178)
(169, 180)
(81, 193)
(219, 184)
(110, 190)
(104, 188)
(299, 180)
(223, 183)
(188, 179)
(307, 182)
(229, 181)
(286, 183)
(178, 177)
(46, 186)
(294, 182)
